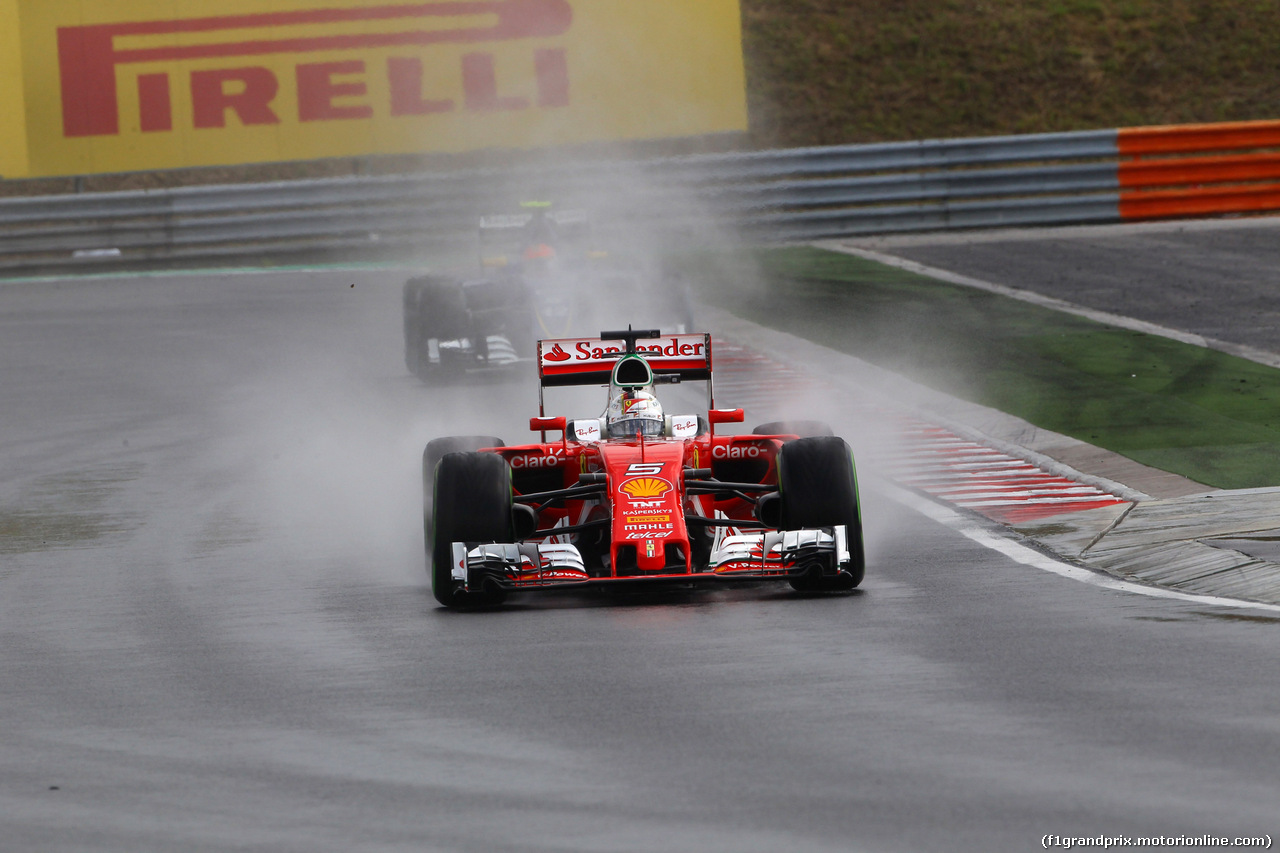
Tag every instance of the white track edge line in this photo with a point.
(976, 531)
(1239, 350)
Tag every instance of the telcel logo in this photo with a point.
(89, 57)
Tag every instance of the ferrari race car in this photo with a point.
(638, 496)
(542, 274)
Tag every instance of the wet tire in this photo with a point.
(412, 324)
(804, 429)
(431, 456)
(435, 309)
(472, 498)
(818, 484)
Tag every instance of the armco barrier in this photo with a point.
(797, 194)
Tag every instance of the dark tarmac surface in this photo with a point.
(217, 634)
(1218, 279)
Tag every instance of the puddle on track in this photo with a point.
(67, 510)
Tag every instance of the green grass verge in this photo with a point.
(1209, 416)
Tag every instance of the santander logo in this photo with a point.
(556, 353)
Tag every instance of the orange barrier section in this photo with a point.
(1165, 204)
(1198, 138)
(1199, 170)
(1237, 175)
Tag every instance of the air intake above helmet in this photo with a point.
(632, 372)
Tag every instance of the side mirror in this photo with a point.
(544, 424)
(726, 416)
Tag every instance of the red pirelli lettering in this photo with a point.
(317, 91)
(250, 96)
(404, 74)
(480, 85)
(88, 57)
(155, 107)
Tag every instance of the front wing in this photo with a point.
(745, 557)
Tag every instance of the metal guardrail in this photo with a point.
(794, 194)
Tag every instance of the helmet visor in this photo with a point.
(634, 427)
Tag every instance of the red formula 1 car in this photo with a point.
(638, 496)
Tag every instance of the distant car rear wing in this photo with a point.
(498, 223)
(504, 237)
(590, 361)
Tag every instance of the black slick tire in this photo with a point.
(435, 451)
(473, 505)
(818, 484)
(434, 309)
(804, 429)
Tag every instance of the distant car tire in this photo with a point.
(472, 504)
(818, 484)
(412, 323)
(804, 429)
(435, 309)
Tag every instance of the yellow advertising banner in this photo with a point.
(153, 84)
(13, 129)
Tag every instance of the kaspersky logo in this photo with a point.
(90, 56)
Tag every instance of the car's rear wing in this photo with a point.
(496, 224)
(590, 361)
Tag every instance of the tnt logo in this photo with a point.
(88, 57)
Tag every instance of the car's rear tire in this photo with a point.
(818, 484)
(804, 429)
(472, 504)
(435, 450)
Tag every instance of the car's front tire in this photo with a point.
(471, 503)
(818, 484)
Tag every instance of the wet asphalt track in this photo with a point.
(216, 634)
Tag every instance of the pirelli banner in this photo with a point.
(92, 86)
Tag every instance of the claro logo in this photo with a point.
(552, 459)
(89, 57)
(737, 451)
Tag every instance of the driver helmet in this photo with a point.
(635, 413)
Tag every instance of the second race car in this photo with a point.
(543, 273)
